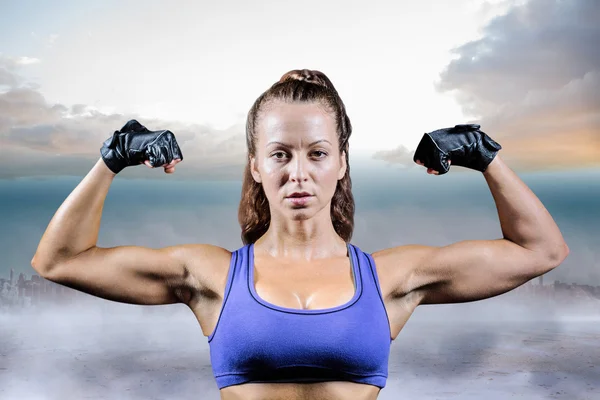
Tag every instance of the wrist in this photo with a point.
(493, 166)
(112, 159)
(104, 169)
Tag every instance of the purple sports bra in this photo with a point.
(256, 341)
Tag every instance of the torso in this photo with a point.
(316, 285)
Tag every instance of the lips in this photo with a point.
(299, 199)
(299, 195)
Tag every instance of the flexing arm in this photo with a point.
(477, 269)
(471, 270)
(67, 253)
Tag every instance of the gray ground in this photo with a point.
(491, 349)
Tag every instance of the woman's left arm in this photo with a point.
(477, 269)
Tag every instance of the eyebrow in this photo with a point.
(287, 145)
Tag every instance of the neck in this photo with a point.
(302, 240)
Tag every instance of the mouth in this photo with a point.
(299, 195)
(299, 199)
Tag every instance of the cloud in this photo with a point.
(533, 82)
(7, 78)
(9, 66)
(26, 60)
(12, 63)
(400, 155)
(46, 139)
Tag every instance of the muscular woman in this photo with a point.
(299, 312)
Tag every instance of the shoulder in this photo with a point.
(397, 267)
(208, 252)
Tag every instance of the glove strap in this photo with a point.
(113, 159)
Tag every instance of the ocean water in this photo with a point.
(393, 206)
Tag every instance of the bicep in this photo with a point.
(465, 271)
(128, 274)
(473, 270)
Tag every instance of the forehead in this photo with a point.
(297, 121)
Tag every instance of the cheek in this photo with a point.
(272, 175)
(327, 177)
(270, 168)
(329, 170)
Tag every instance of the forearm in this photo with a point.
(75, 225)
(523, 218)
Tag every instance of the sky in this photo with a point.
(72, 72)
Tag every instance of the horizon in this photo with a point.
(386, 207)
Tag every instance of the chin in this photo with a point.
(304, 213)
(300, 214)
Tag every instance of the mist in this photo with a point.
(105, 350)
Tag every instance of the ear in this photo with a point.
(254, 170)
(343, 165)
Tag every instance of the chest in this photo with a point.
(314, 286)
(330, 286)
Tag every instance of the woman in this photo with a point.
(299, 312)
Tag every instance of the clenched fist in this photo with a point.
(134, 144)
(463, 145)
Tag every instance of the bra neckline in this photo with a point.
(356, 276)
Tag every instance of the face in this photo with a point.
(297, 151)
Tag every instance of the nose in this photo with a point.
(298, 169)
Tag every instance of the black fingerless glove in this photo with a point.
(463, 145)
(134, 144)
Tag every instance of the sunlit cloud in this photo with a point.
(533, 83)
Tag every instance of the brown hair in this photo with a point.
(305, 86)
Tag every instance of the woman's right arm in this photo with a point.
(67, 253)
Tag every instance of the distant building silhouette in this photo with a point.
(33, 292)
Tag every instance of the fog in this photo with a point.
(498, 347)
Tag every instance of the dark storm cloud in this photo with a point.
(533, 82)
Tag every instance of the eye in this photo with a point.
(320, 154)
(279, 155)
